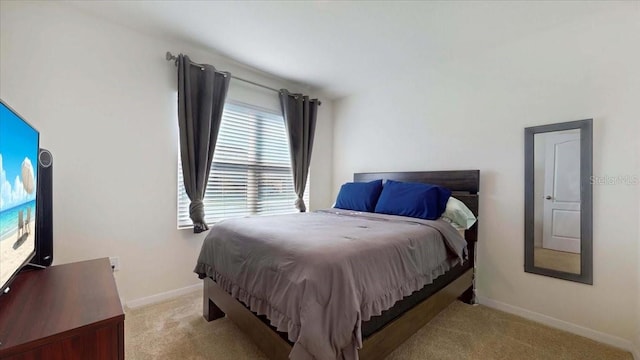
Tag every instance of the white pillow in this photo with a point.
(454, 225)
(459, 214)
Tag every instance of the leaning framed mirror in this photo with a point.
(558, 200)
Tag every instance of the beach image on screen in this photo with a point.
(18, 175)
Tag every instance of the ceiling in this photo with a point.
(342, 47)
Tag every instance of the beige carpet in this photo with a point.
(176, 330)
(556, 260)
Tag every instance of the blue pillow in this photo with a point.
(424, 201)
(359, 196)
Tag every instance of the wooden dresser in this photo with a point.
(69, 311)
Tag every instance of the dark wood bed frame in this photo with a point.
(465, 185)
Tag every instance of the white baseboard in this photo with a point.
(562, 325)
(167, 295)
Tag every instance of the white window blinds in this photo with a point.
(251, 169)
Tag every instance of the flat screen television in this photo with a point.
(19, 146)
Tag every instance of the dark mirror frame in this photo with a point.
(586, 200)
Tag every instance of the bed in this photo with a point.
(286, 313)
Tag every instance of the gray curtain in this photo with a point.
(300, 115)
(201, 95)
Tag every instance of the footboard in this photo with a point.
(217, 303)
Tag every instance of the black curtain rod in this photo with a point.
(169, 56)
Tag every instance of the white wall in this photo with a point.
(637, 342)
(104, 100)
(471, 114)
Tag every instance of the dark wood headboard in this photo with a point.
(464, 184)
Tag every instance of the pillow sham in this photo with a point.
(424, 201)
(459, 214)
(359, 196)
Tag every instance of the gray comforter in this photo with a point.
(318, 275)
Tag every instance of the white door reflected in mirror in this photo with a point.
(557, 201)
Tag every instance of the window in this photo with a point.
(251, 169)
